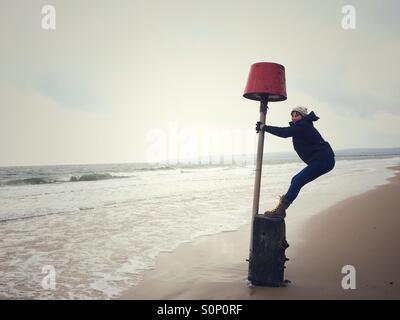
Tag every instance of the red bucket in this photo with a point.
(266, 81)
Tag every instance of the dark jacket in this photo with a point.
(307, 141)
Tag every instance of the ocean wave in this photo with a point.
(35, 180)
(75, 178)
(155, 168)
(95, 177)
(31, 215)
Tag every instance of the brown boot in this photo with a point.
(280, 210)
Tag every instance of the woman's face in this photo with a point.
(296, 116)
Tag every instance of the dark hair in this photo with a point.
(298, 113)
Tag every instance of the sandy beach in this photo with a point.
(360, 231)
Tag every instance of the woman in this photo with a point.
(311, 148)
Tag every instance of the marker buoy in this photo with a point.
(266, 82)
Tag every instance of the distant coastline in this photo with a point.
(236, 159)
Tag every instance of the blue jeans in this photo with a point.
(314, 169)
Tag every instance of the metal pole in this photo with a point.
(257, 183)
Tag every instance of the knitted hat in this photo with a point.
(301, 110)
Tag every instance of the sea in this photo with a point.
(91, 231)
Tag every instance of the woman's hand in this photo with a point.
(259, 126)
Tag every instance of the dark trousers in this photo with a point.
(314, 169)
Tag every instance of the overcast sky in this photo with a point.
(115, 74)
